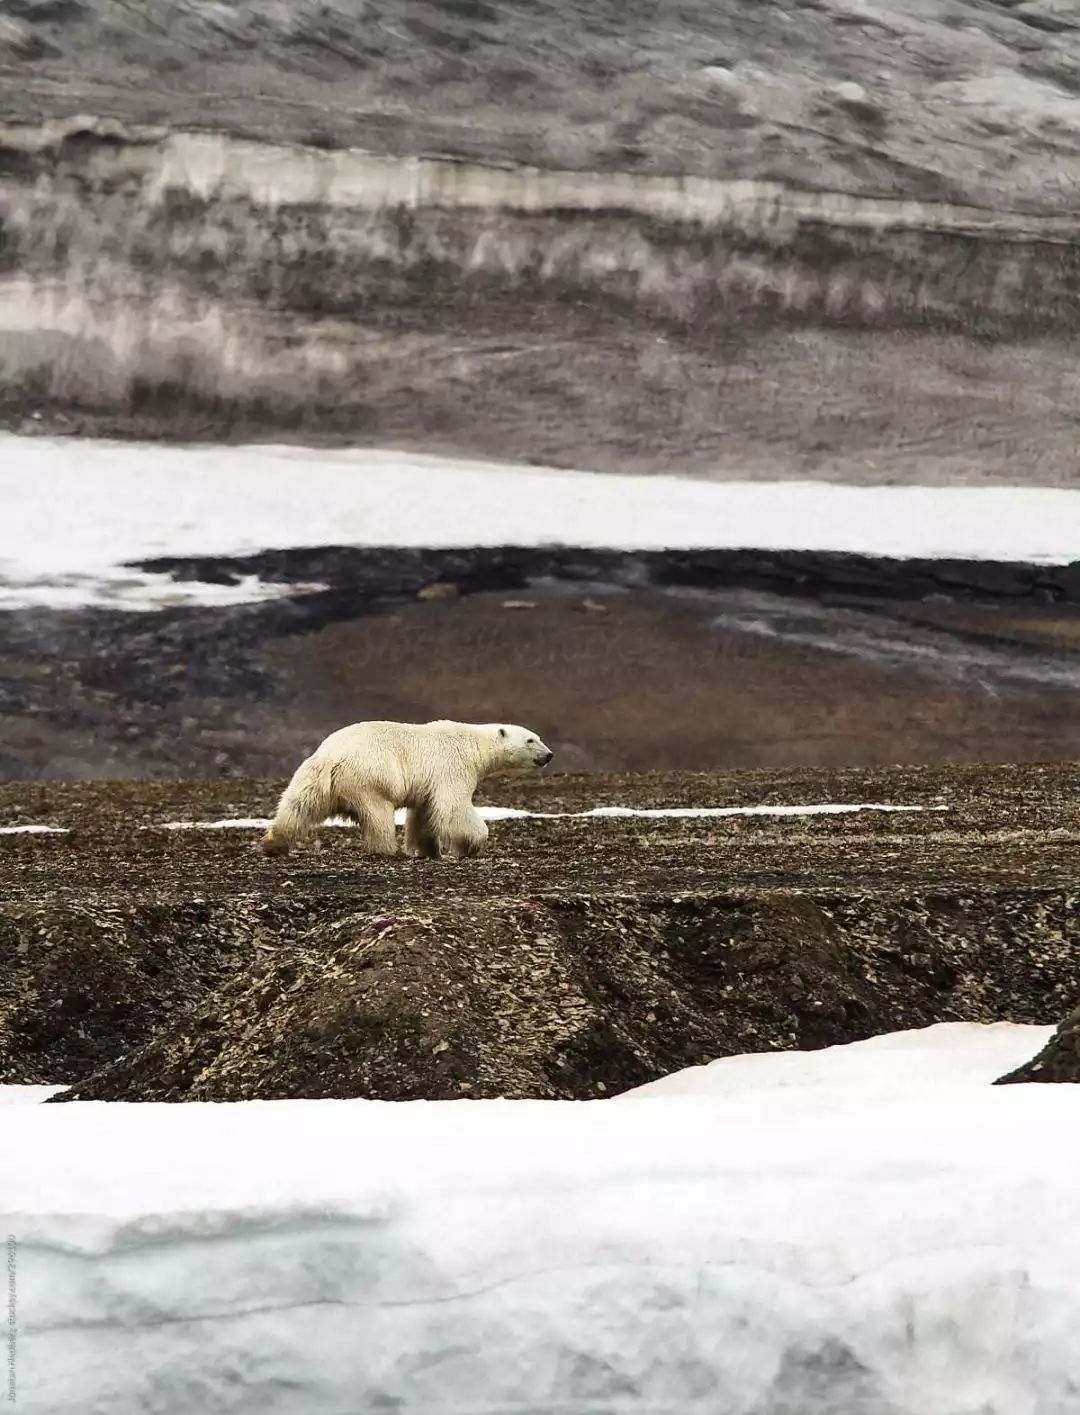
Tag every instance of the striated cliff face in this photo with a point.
(827, 238)
(952, 100)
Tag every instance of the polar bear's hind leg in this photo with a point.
(305, 803)
(375, 820)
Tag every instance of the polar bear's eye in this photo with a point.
(502, 731)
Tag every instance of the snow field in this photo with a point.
(866, 1229)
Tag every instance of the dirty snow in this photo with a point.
(872, 1228)
(150, 501)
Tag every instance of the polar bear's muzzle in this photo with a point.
(543, 758)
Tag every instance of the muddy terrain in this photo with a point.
(622, 661)
(579, 957)
(803, 237)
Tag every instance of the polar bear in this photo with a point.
(365, 771)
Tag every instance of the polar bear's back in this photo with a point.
(401, 760)
(391, 738)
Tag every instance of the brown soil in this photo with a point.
(649, 681)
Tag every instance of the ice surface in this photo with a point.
(138, 502)
(874, 1230)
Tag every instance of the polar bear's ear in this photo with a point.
(502, 731)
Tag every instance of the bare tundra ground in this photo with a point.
(579, 957)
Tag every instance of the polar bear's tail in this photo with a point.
(305, 804)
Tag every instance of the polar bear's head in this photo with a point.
(519, 748)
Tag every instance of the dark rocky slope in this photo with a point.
(1059, 1060)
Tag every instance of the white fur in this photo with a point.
(366, 771)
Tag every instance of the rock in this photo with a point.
(849, 92)
(1054, 16)
(19, 41)
(1058, 1061)
(519, 604)
(594, 606)
(440, 590)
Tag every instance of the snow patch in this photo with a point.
(824, 809)
(152, 501)
(13, 1094)
(500, 813)
(957, 1055)
(116, 587)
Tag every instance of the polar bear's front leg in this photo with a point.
(455, 826)
(466, 835)
(467, 847)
